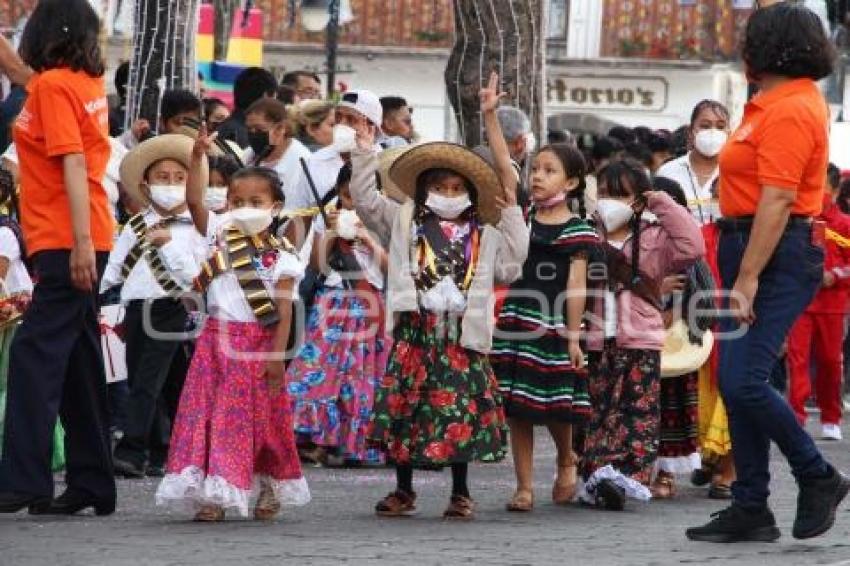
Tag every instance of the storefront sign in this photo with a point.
(606, 93)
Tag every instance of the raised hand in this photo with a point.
(490, 96)
(205, 141)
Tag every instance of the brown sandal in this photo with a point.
(397, 504)
(521, 502)
(460, 509)
(209, 514)
(564, 493)
(267, 506)
(664, 486)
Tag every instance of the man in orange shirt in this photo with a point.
(56, 362)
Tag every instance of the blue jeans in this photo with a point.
(757, 413)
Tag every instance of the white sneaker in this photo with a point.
(831, 432)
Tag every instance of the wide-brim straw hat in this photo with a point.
(680, 356)
(408, 166)
(386, 159)
(167, 146)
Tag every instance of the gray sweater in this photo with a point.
(501, 256)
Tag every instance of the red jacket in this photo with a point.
(833, 300)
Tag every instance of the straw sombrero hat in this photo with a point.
(167, 146)
(406, 169)
(681, 356)
(386, 159)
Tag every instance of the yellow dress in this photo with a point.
(715, 441)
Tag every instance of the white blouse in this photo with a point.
(225, 297)
(17, 278)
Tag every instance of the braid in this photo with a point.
(635, 247)
(578, 196)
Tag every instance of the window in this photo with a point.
(559, 11)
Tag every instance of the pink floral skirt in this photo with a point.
(233, 431)
(333, 377)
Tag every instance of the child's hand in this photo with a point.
(204, 142)
(508, 198)
(274, 373)
(576, 355)
(490, 96)
(140, 129)
(333, 219)
(158, 237)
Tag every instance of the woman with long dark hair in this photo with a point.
(56, 362)
(771, 259)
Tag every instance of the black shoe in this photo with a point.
(11, 502)
(610, 496)
(155, 471)
(72, 502)
(816, 503)
(127, 469)
(701, 477)
(736, 524)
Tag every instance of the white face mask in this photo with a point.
(168, 197)
(613, 213)
(447, 208)
(347, 224)
(215, 198)
(250, 220)
(710, 142)
(345, 138)
(530, 143)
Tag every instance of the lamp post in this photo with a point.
(318, 15)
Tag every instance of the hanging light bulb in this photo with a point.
(315, 14)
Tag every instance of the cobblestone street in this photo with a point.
(338, 527)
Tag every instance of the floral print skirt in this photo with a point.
(624, 428)
(679, 448)
(438, 402)
(233, 431)
(332, 379)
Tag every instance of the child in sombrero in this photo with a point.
(457, 231)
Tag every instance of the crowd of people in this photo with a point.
(302, 280)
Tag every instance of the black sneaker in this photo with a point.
(610, 496)
(155, 471)
(127, 469)
(816, 503)
(736, 524)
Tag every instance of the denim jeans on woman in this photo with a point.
(757, 413)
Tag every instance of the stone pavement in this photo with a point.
(338, 527)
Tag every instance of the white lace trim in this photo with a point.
(680, 465)
(190, 488)
(634, 489)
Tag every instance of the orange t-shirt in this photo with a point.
(783, 142)
(66, 112)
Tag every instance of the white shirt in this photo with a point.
(288, 167)
(182, 257)
(225, 297)
(324, 166)
(17, 278)
(704, 206)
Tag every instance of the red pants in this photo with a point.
(823, 335)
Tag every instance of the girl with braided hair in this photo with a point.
(647, 238)
(536, 354)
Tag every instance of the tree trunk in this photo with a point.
(225, 13)
(163, 55)
(507, 36)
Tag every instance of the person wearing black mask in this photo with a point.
(270, 130)
(252, 84)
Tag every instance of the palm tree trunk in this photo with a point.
(163, 55)
(507, 36)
